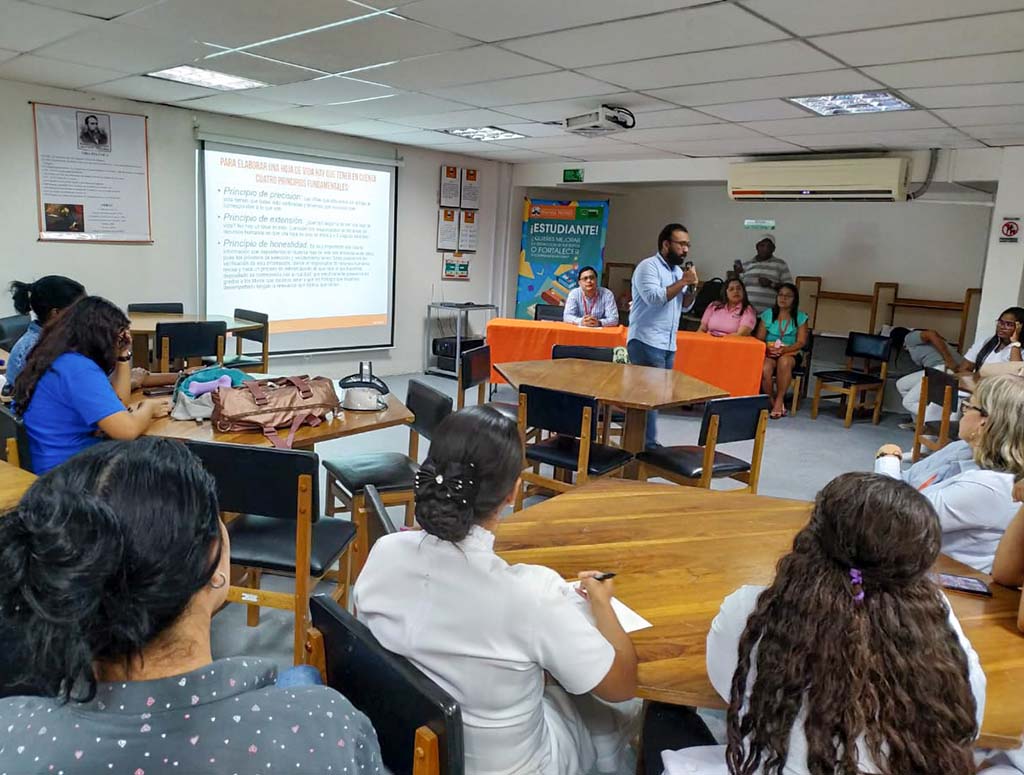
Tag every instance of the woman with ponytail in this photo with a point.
(111, 568)
(487, 631)
(44, 298)
(851, 661)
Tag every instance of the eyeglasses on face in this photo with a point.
(1006, 323)
(684, 242)
(966, 406)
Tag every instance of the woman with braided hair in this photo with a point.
(486, 631)
(852, 660)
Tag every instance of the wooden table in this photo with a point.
(13, 483)
(343, 424)
(143, 326)
(679, 551)
(636, 389)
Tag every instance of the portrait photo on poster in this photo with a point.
(64, 217)
(93, 131)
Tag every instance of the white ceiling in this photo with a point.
(704, 77)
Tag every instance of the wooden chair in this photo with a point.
(475, 372)
(725, 420)
(611, 419)
(181, 341)
(392, 473)
(378, 522)
(15, 436)
(418, 724)
(251, 361)
(551, 313)
(158, 308)
(937, 387)
(798, 387)
(850, 384)
(278, 529)
(573, 421)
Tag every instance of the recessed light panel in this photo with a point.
(211, 79)
(852, 104)
(484, 133)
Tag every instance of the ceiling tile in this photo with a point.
(492, 21)
(318, 116)
(681, 133)
(986, 68)
(676, 32)
(822, 16)
(363, 43)
(672, 117)
(514, 155)
(975, 35)
(730, 147)
(240, 22)
(535, 129)
(757, 110)
(994, 133)
(914, 138)
(470, 147)
(979, 116)
(320, 91)
(5, 55)
(968, 96)
(52, 72)
(619, 151)
(259, 68)
(910, 119)
(237, 103)
(141, 87)
(532, 88)
(427, 138)
(779, 58)
(557, 143)
(101, 9)
(26, 27)
(468, 65)
(831, 82)
(368, 126)
(458, 118)
(116, 46)
(404, 105)
(556, 110)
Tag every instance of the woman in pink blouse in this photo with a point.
(732, 315)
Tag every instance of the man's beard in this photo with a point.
(674, 260)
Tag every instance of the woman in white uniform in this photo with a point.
(970, 482)
(852, 660)
(487, 631)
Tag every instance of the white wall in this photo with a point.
(167, 269)
(932, 250)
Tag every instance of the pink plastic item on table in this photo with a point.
(200, 388)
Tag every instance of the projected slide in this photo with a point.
(308, 242)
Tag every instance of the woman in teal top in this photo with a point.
(783, 329)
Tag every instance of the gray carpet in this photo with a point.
(801, 455)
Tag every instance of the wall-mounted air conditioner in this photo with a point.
(842, 180)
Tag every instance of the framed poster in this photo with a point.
(447, 229)
(92, 175)
(469, 230)
(470, 188)
(455, 267)
(449, 196)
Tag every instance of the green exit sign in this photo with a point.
(572, 176)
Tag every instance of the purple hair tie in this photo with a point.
(857, 580)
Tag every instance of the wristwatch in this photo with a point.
(126, 358)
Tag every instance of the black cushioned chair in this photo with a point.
(851, 384)
(181, 341)
(378, 522)
(392, 473)
(258, 362)
(937, 387)
(418, 724)
(548, 312)
(725, 420)
(612, 424)
(475, 372)
(573, 420)
(278, 529)
(11, 329)
(12, 431)
(158, 308)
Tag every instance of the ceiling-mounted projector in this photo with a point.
(597, 123)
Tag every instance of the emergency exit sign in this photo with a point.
(572, 176)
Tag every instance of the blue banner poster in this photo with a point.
(558, 238)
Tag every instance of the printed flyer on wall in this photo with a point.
(558, 238)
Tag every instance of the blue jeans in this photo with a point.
(642, 354)
(299, 675)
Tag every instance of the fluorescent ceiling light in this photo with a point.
(363, 99)
(485, 133)
(211, 79)
(850, 104)
(291, 35)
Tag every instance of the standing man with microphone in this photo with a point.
(662, 291)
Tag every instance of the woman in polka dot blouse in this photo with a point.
(111, 568)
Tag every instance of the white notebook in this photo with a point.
(630, 620)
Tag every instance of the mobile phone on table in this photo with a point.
(158, 390)
(968, 584)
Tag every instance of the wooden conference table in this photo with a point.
(636, 389)
(679, 551)
(732, 363)
(143, 326)
(342, 424)
(13, 483)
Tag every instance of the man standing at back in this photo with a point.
(762, 274)
(662, 292)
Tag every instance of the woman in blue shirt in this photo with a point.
(44, 298)
(75, 382)
(783, 328)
